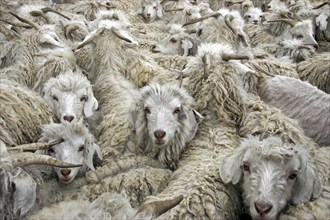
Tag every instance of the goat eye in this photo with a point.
(55, 98)
(147, 110)
(173, 40)
(83, 98)
(81, 148)
(249, 16)
(299, 36)
(176, 111)
(13, 186)
(51, 151)
(246, 167)
(292, 176)
(155, 7)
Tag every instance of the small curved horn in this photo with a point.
(25, 158)
(229, 3)
(202, 19)
(227, 57)
(207, 65)
(39, 14)
(228, 20)
(157, 208)
(291, 22)
(34, 146)
(69, 29)
(321, 5)
(32, 24)
(116, 32)
(48, 9)
(174, 9)
(89, 40)
(15, 24)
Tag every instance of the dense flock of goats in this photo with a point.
(173, 109)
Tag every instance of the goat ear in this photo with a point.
(308, 184)
(91, 104)
(25, 194)
(45, 38)
(140, 11)
(89, 152)
(47, 97)
(230, 170)
(160, 12)
(186, 45)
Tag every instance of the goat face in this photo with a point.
(271, 173)
(254, 16)
(175, 44)
(150, 10)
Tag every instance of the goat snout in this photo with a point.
(255, 21)
(263, 208)
(65, 172)
(159, 134)
(148, 15)
(68, 118)
(316, 46)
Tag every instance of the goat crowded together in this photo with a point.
(165, 109)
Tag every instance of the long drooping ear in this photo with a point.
(91, 104)
(186, 45)
(230, 170)
(46, 95)
(160, 12)
(308, 184)
(139, 12)
(25, 194)
(90, 150)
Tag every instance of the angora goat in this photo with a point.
(164, 121)
(271, 173)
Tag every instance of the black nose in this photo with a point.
(316, 46)
(263, 208)
(148, 14)
(68, 118)
(255, 21)
(159, 133)
(66, 172)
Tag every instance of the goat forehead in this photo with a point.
(160, 102)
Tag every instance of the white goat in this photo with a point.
(271, 173)
(179, 42)
(302, 101)
(78, 147)
(151, 10)
(164, 121)
(70, 95)
(254, 16)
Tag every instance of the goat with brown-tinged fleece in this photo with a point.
(70, 95)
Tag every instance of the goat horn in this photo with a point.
(35, 146)
(164, 1)
(174, 9)
(32, 24)
(89, 40)
(157, 208)
(41, 14)
(325, 36)
(228, 3)
(25, 158)
(116, 32)
(227, 57)
(291, 22)
(201, 19)
(7, 33)
(69, 29)
(207, 65)
(15, 24)
(228, 19)
(321, 5)
(48, 9)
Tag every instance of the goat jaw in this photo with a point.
(157, 208)
(32, 24)
(35, 146)
(24, 159)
